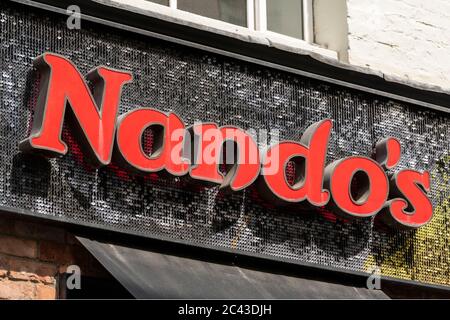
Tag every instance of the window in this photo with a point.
(291, 18)
(285, 17)
(163, 2)
(232, 11)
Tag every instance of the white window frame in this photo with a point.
(307, 18)
(255, 31)
(250, 12)
(257, 18)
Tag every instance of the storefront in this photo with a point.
(363, 190)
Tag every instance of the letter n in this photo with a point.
(94, 115)
(209, 143)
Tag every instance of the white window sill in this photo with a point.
(267, 38)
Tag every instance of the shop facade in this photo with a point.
(362, 192)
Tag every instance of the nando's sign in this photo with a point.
(195, 152)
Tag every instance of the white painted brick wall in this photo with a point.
(409, 39)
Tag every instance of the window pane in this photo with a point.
(285, 17)
(232, 11)
(163, 2)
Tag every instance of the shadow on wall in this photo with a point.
(30, 175)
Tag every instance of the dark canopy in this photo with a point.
(148, 274)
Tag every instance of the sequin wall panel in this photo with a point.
(200, 86)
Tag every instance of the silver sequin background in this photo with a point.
(207, 87)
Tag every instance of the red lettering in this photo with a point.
(168, 141)
(417, 209)
(356, 186)
(209, 142)
(388, 152)
(63, 84)
(308, 157)
(372, 186)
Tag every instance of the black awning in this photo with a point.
(149, 274)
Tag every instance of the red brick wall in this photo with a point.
(34, 254)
